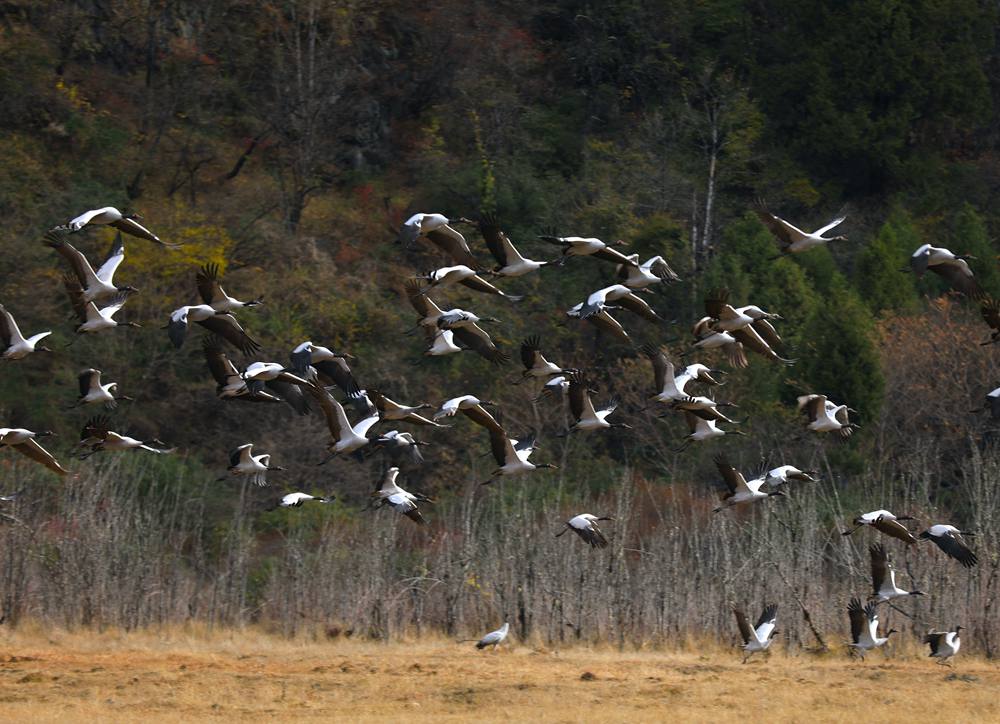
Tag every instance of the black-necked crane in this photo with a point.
(758, 638)
(26, 442)
(332, 367)
(603, 321)
(708, 338)
(296, 500)
(494, 638)
(91, 317)
(16, 345)
(437, 229)
(402, 501)
(953, 268)
(884, 586)
(992, 404)
(110, 216)
(390, 410)
(886, 523)
(989, 308)
(668, 385)
(467, 333)
(94, 284)
(345, 437)
(97, 435)
(589, 246)
(399, 444)
(793, 240)
(279, 381)
(211, 292)
(510, 263)
(243, 463)
(864, 628)
(230, 384)
(783, 474)
(467, 277)
(586, 417)
(944, 644)
(654, 270)
(512, 454)
(585, 526)
(623, 297)
(826, 416)
(740, 490)
(949, 539)
(535, 364)
(92, 390)
(222, 324)
(470, 406)
(701, 430)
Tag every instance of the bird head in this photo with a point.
(44, 433)
(839, 238)
(129, 289)
(890, 632)
(959, 628)
(925, 535)
(778, 493)
(43, 348)
(606, 517)
(548, 466)
(618, 242)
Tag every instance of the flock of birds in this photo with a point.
(314, 372)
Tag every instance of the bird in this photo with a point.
(512, 454)
(390, 410)
(230, 384)
(555, 386)
(825, 416)
(992, 404)
(884, 586)
(470, 406)
(989, 308)
(793, 240)
(92, 390)
(654, 270)
(211, 292)
(98, 435)
(885, 522)
(580, 246)
(669, 386)
(423, 305)
(94, 284)
(951, 267)
(110, 216)
(944, 644)
(403, 502)
(582, 407)
(295, 500)
(585, 526)
(535, 364)
(329, 365)
(467, 277)
(467, 333)
(11, 497)
(222, 324)
(740, 491)
(510, 263)
(701, 429)
(759, 637)
(749, 325)
(864, 628)
(704, 407)
(494, 638)
(16, 345)
(243, 462)
(603, 321)
(707, 337)
(436, 229)
(783, 474)
(624, 298)
(279, 381)
(398, 444)
(441, 342)
(26, 442)
(346, 438)
(949, 539)
(92, 318)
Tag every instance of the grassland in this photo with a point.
(247, 676)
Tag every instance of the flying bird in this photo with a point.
(944, 644)
(585, 526)
(580, 246)
(759, 637)
(793, 240)
(949, 539)
(222, 324)
(468, 334)
(345, 437)
(110, 216)
(953, 268)
(586, 417)
(390, 410)
(669, 386)
(654, 270)
(243, 463)
(331, 367)
(230, 384)
(437, 229)
(701, 430)
(511, 454)
(886, 523)
(825, 416)
(97, 435)
(740, 490)
(92, 390)
(884, 586)
(470, 406)
(278, 381)
(864, 628)
(535, 364)
(295, 500)
(94, 284)
(603, 321)
(14, 344)
(510, 263)
(26, 442)
(785, 473)
(92, 318)
(390, 494)
(623, 297)
(211, 292)
(467, 277)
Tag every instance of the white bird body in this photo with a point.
(944, 644)
(884, 586)
(443, 344)
(15, 435)
(936, 255)
(116, 442)
(794, 240)
(449, 275)
(782, 474)
(402, 501)
(864, 628)
(242, 462)
(757, 638)
(825, 416)
(705, 430)
(110, 216)
(455, 404)
(294, 500)
(741, 490)
(494, 638)
(640, 276)
(16, 345)
(92, 390)
(100, 319)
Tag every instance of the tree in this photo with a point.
(877, 274)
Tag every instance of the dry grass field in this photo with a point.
(58, 676)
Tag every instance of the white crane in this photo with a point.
(783, 474)
(759, 637)
(222, 324)
(510, 263)
(110, 216)
(467, 277)
(864, 628)
(327, 364)
(437, 229)
(589, 246)
(243, 463)
(390, 410)
(211, 292)
(654, 270)
(740, 490)
(944, 644)
(14, 344)
(26, 442)
(603, 321)
(701, 430)
(791, 239)
(92, 390)
(295, 500)
(886, 523)
(97, 435)
(668, 385)
(949, 539)
(512, 454)
(279, 381)
(95, 284)
(405, 503)
(398, 444)
(535, 364)
(494, 638)
(884, 586)
(585, 526)
(346, 438)
(230, 384)
(92, 318)
(623, 297)
(467, 332)
(951, 267)
(470, 406)
(826, 416)
(586, 416)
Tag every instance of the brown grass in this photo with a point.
(248, 676)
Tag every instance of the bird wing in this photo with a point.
(746, 633)
(766, 622)
(530, 352)
(421, 303)
(56, 239)
(477, 283)
(990, 309)
(339, 372)
(336, 418)
(748, 337)
(592, 535)
(39, 454)
(76, 298)
(734, 479)
(496, 241)
(823, 229)
(637, 305)
(616, 257)
(934, 638)
(606, 323)
(879, 565)
(96, 428)
(955, 548)
(481, 416)
(919, 259)
(893, 529)
(114, 258)
(290, 392)
(8, 327)
(663, 270)
(785, 233)
(716, 302)
(241, 453)
(226, 326)
(362, 427)
(134, 228)
(85, 379)
(475, 338)
(209, 288)
(959, 277)
(812, 406)
(218, 363)
(454, 244)
(501, 446)
(578, 395)
(859, 621)
(767, 332)
(662, 367)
